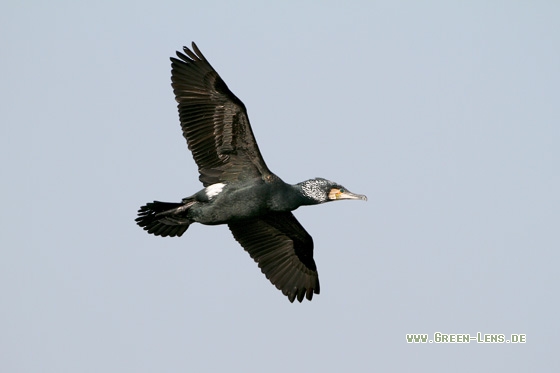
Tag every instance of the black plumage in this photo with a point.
(239, 190)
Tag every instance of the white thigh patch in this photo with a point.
(214, 189)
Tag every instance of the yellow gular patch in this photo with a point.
(334, 193)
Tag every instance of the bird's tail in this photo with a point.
(166, 219)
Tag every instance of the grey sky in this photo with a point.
(445, 114)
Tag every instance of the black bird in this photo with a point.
(239, 189)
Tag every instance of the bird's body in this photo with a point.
(239, 189)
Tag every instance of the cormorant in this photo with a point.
(239, 189)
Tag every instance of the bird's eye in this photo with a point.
(341, 190)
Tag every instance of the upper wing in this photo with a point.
(214, 122)
(283, 250)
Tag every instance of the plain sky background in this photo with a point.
(445, 114)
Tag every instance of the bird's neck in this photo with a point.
(302, 196)
(288, 198)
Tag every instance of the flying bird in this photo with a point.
(239, 189)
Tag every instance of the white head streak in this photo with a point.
(315, 189)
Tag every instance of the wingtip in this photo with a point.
(197, 51)
(301, 294)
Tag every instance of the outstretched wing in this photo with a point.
(214, 122)
(283, 250)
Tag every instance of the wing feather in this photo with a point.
(214, 122)
(283, 250)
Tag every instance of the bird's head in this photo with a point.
(321, 190)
